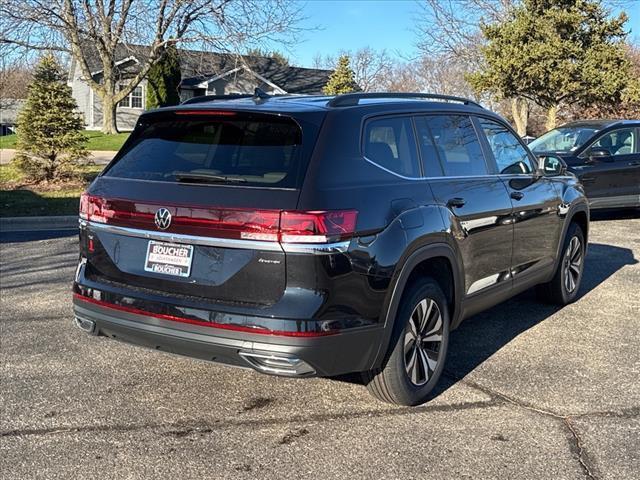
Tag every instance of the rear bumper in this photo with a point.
(332, 354)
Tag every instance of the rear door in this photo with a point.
(537, 225)
(476, 199)
(190, 207)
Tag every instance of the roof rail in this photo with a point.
(211, 98)
(352, 99)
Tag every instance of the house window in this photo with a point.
(134, 99)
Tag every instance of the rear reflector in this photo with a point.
(243, 224)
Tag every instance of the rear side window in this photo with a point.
(229, 148)
(511, 157)
(455, 143)
(389, 142)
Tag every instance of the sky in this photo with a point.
(380, 24)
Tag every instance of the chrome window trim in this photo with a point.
(442, 177)
(308, 248)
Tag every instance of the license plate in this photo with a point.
(169, 259)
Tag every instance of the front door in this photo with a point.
(535, 200)
(612, 178)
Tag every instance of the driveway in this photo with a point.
(97, 156)
(530, 391)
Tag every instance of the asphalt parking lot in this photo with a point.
(530, 391)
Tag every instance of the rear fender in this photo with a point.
(433, 250)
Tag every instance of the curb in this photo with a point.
(29, 224)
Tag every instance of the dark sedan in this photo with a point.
(604, 154)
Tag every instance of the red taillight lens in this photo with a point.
(261, 225)
(84, 206)
(317, 227)
(94, 209)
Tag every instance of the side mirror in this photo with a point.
(599, 154)
(551, 165)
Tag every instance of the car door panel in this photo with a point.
(614, 180)
(535, 200)
(537, 225)
(477, 202)
(482, 227)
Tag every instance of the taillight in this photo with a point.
(94, 209)
(317, 227)
(241, 224)
(84, 206)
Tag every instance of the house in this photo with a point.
(9, 108)
(203, 73)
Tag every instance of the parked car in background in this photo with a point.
(604, 155)
(321, 236)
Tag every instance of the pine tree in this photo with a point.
(557, 53)
(164, 79)
(342, 80)
(50, 140)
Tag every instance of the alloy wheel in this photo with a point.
(422, 341)
(572, 264)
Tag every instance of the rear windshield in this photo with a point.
(227, 148)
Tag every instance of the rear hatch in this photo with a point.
(191, 205)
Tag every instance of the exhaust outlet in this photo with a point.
(87, 326)
(277, 364)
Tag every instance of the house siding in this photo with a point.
(81, 93)
(126, 118)
(261, 72)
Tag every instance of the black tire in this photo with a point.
(401, 381)
(561, 290)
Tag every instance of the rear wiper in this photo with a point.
(206, 178)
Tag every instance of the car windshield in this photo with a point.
(563, 139)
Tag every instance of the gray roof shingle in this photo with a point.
(197, 66)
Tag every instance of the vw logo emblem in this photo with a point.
(163, 218)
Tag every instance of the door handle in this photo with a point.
(517, 195)
(586, 180)
(456, 202)
(635, 163)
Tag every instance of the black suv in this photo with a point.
(321, 236)
(603, 154)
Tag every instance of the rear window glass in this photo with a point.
(239, 149)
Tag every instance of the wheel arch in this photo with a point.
(439, 261)
(578, 214)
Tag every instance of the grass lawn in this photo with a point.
(97, 140)
(19, 199)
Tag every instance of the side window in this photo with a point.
(428, 149)
(454, 143)
(618, 142)
(389, 142)
(511, 157)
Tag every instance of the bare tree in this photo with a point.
(449, 30)
(14, 80)
(102, 29)
(371, 67)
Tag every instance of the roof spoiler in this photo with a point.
(258, 95)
